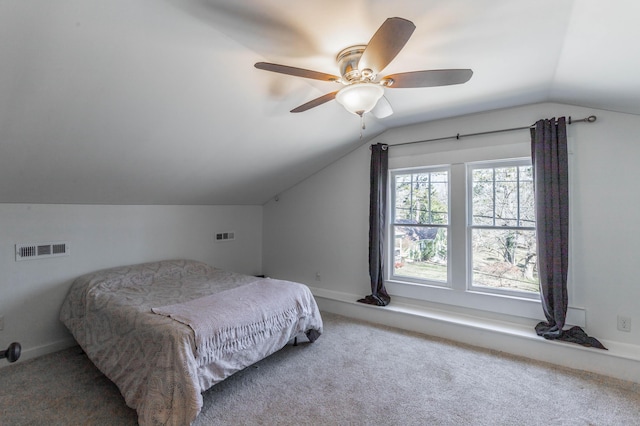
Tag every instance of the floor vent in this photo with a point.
(225, 236)
(41, 250)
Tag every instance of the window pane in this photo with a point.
(482, 197)
(526, 173)
(527, 202)
(506, 174)
(503, 196)
(506, 203)
(420, 252)
(403, 198)
(439, 202)
(421, 198)
(504, 259)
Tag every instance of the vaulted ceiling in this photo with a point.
(158, 101)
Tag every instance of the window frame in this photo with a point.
(458, 297)
(469, 167)
(391, 276)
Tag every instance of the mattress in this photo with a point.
(162, 361)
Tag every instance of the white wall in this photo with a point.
(320, 226)
(102, 236)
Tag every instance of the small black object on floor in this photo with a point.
(12, 353)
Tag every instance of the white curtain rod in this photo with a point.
(589, 119)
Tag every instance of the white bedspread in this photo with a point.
(152, 358)
(240, 318)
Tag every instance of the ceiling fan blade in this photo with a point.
(385, 44)
(298, 72)
(427, 78)
(382, 109)
(316, 102)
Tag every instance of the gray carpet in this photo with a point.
(356, 374)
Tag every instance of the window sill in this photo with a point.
(489, 303)
(517, 338)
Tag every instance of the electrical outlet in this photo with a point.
(225, 236)
(318, 278)
(624, 323)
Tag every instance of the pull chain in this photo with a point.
(362, 126)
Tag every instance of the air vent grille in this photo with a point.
(41, 250)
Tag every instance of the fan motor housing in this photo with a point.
(348, 60)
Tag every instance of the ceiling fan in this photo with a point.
(359, 67)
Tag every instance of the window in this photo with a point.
(501, 227)
(420, 223)
(469, 227)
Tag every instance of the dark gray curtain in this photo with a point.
(551, 185)
(377, 223)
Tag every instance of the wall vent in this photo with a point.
(41, 250)
(225, 236)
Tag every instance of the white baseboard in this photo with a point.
(621, 361)
(30, 353)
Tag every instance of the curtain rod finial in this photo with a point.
(589, 119)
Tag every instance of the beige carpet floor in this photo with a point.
(356, 374)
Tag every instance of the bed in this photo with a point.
(164, 332)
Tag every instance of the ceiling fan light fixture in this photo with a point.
(360, 98)
(359, 68)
